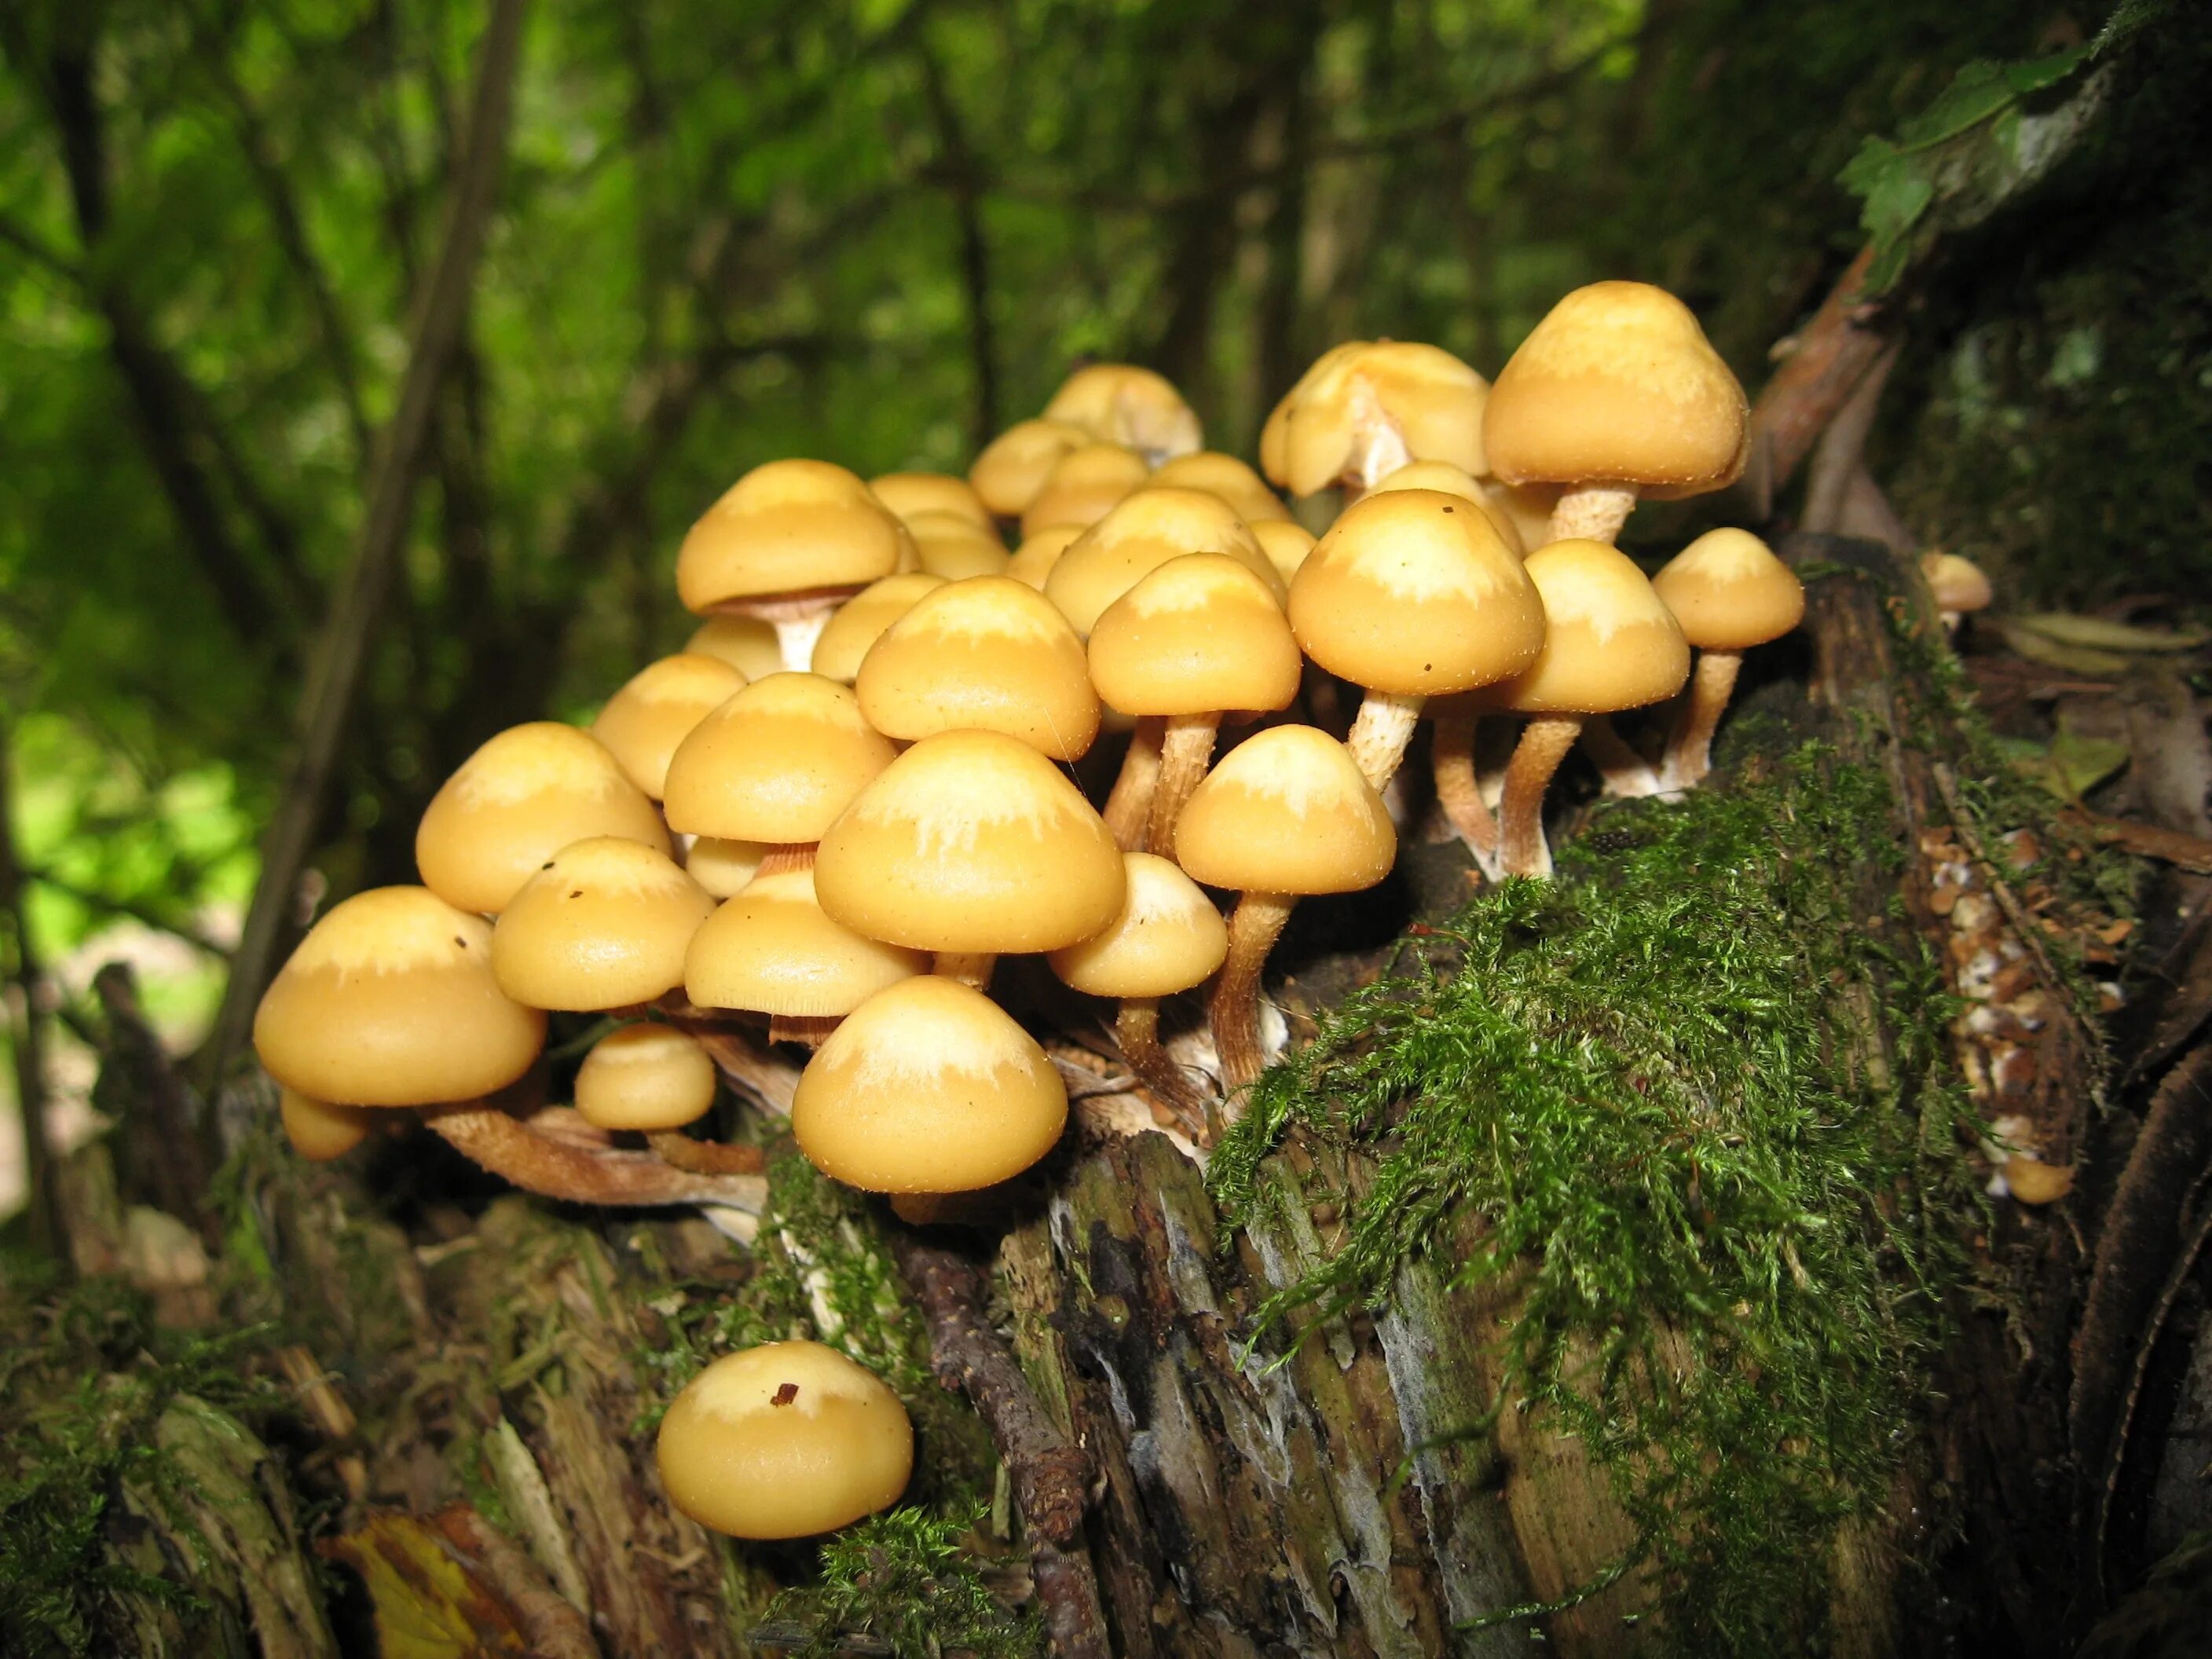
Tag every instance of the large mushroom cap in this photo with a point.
(1729, 592)
(927, 1087)
(789, 527)
(1611, 645)
(776, 762)
(954, 547)
(656, 709)
(521, 798)
(390, 1001)
(1412, 591)
(1140, 536)
(1422, 397)
(1449, 480)
(603, 925)
(1014, 465)
(1286, 812)
(1617, 383)
(647, 1077)
(909, 494)
(989, 654)
(860, 621)
(1167, 938)
(971, 843)
(773, 950)
(784, 1441)
(1228, 478)
(1199, 634)
(1034, 559)
(748, 644)
(1119, 403)
(1084, 487)
(1286, 542)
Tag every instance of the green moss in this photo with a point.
(905, 1581)
(1648, 1093)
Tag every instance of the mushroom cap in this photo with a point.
(1086, 486)
(319, 1131)
(722, 867)
(1414, 592)
(1529, 507)
(1286, 812)
(860, 621)
(1449, 480)
(390, 1001)
(748, 644)
(1729, 592)
(656, 709)
(1140, 536)
(1014, 465)
(1200, 634)
(1611, 644)
(1955, 582)
(647, 1077)
(954, 547)
(1167, 938)
(1286, 542)
(776, 762)
(1228, 478)
(909, 494)
(773, 950)
(988, 655)
(522, 797)
(1618, 384)
(1034, 559)
(789, 527)
(928, 1087)
(784, 1441)
(970, 841)
(1315, 434)
(1121, 403)
(603, 925)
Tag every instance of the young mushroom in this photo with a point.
(1228, 478)
(319, 1131)
(772, 950)
(1039, 550)
(1118, 403)
(1730, 593)
(748, 644)
(1957, 585)
(603, 925)
(1286, 541)
(722, 864)
(1014, 465)
(1449, 480)
(785, 1440)
(655, 1080)
(1616, 394)
(656, 709)
(909, 494)
(953, 546)
(1084, 487)
(860, 622)
(1366, 408)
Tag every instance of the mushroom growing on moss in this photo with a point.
(1730, 593)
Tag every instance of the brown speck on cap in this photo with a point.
(785, 1394)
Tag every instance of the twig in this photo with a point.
(26, 1032)
(1067, 1592)
(553, 1629)
(1839, 456)
(2145, 841)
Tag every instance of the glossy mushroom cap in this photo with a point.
(319, 1131)
(860, 621)
(1729, 592)
(909, 494)
(784, 1441)
(1431, 400)
(644, 1078)
(1140, 536)
(390, 1001)
(1119, 403)
(1286, 542)
(1034, 559)
(1956, 583)
(1449, 480)
(1611, 644)
(789, 527)
(1168, 937)
(1286, 812)
(1619, 383)
(772, 950)
(1084, 487)
(927, 1087)
(1199, 634)
(521, 798)
(1228, 478)
(748, 644)
(1014, 465)
(603, 925)
(1412, 591)
(988, 655)
(656, 709)
(953, 547)
(776, 762)
(970, 841)
(722, 867)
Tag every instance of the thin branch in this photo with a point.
(26, 1029)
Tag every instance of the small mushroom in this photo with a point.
(603, 925)
(1366, 408)
(1958, 585)
(953, 546)
(722, 865)
(1228, 478)
(1119, 403)
(1084, 487)
(772, 950)
(1451, 480)
(319, 1131)
(1137, 538)
(656, 1080)
(1034, 559)
(656, 709)
(1014, 465)
(1730, 593)
(1286, 542)
(746, 643)
(860, 622)
(910, 494)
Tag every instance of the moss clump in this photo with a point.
(1651, 1094)
(906, 1582)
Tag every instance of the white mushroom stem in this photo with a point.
(1592, 512)
(1690, 751)
(1543, 744)
(1254, 927)
(798, 619)
(1130, 804)
(970, 968)
(1378, 447)
(1459, 791)
(786, 855)
(1185, 753)
(1379, 736)
(1626, 773)
(1137, 1029)
(560, 1169)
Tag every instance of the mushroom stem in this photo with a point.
(1459, 791)
(1378, 447)
(1592, 512)
(705, 1157)
(970, 968)
(1130, 804)
(1379, 736)
(786, 855)
(1254, 927)
(1626, 773)
(1185, 753)
(1543, 744)
(1690, 751)
(812, 1031)
(559, 1169)
(1137, 1029)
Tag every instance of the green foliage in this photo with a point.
(904, 1583)
(1642, 1100)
